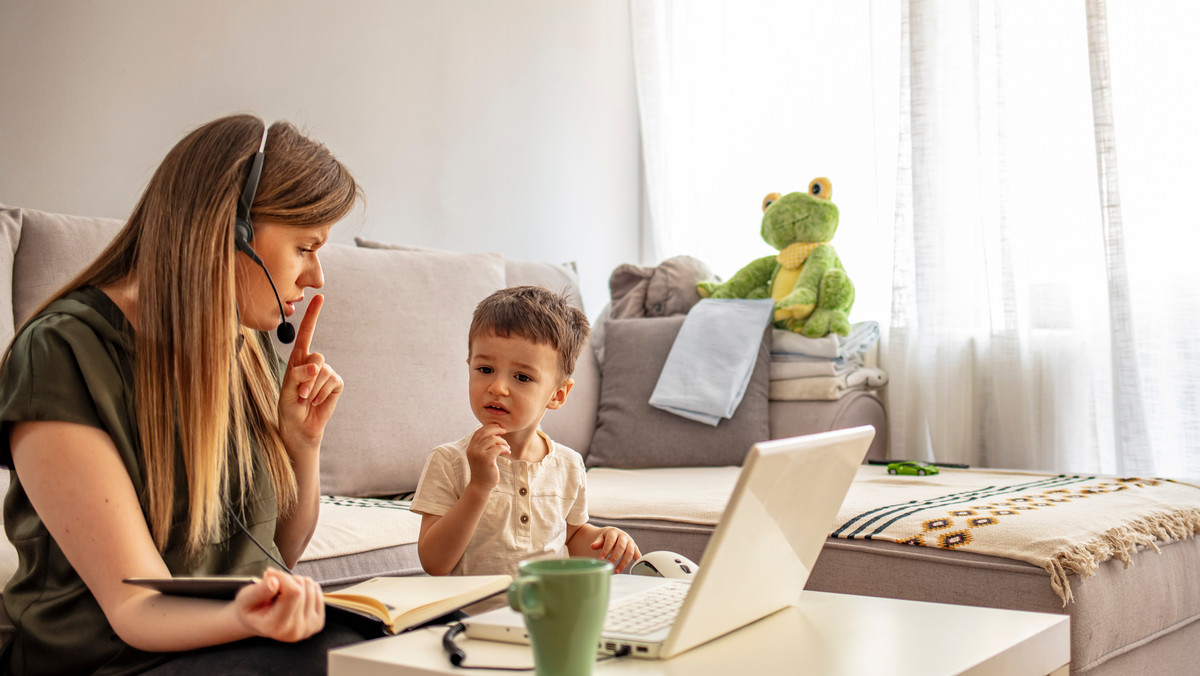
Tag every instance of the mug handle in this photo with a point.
(525, 597)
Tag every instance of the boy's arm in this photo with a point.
(444, 538)
(608, 543)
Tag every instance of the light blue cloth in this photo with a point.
(712, 358)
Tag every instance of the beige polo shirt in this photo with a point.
(527, 514)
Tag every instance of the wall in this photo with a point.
(473, 125)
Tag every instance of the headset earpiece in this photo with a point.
(243, 231)
(243, 234)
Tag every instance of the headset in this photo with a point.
(243, 234)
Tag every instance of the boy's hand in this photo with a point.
(614, 544)
(487, 443)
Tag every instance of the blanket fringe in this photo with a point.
(1122, 543)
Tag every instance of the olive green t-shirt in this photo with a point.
(74, 363)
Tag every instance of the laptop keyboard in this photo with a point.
(648, 611)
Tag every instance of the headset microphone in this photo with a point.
(286, 332)
(243, 234)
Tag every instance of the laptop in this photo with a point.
(757, 561)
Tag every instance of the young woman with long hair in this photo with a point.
(153, 430)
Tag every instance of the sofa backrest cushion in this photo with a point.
(632, 434)
(51, 249)
(574, 423)
(10, 238)
(394, 326)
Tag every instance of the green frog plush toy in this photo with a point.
(812, 292)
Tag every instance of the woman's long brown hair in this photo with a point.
(200, 399)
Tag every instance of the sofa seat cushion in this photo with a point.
(1114, 611)
(695, 495)
(360, 538)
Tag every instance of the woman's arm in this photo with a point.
(74, 478)
(307, 399)
(294, 529)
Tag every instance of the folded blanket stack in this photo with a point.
(823, 369)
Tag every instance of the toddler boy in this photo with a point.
(507, 492)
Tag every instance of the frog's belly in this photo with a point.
(783, 284)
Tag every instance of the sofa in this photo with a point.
(394, 325)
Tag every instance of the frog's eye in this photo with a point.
(770, 199)
(821, 187)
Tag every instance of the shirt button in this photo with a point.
(524, 518)
(523, 491)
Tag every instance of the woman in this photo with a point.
(154, 431)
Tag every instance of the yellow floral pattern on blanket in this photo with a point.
(1008, 507)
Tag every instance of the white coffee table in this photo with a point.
(822, 634)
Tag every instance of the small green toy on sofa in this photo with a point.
(813, 294)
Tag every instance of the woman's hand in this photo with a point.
(281, 607)
(310, 390)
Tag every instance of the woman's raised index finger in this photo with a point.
(307, 326)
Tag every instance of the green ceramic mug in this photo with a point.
(564, 602)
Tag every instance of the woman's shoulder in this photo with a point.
(82, 318)
(53, 338)
(62, 364)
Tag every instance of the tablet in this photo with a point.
(212, 587)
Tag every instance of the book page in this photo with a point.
(401, 602)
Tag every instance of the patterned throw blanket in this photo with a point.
(1064, 524)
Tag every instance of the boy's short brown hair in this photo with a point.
(537, 314)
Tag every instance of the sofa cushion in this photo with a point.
(360, 538)
(399, 340)
(573, 424)
(631, 433)
(563, 278)
(52, 249)
(1118, 610)
(10, 237)
(793, 418)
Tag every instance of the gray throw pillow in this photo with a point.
(633, 434)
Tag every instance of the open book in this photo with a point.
(397, 602)
(403, 602)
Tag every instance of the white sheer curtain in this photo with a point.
(1043, 310)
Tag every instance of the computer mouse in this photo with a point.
(664, 564)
